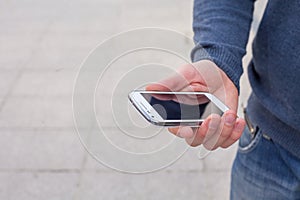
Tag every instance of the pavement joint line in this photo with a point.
(167, 171)
(20, 72)
(43, 69)
(40, 170)
(39, 39)
(98, 171)
(29, 129)
(37, 96)
(49, 128)
(77, 192)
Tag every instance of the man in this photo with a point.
(267, 165)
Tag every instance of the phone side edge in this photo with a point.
(156, 121)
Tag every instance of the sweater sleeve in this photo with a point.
(221, 31)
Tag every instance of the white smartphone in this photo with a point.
(176, 108)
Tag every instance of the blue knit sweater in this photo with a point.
(221, 30)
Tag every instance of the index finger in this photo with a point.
(178, 81)
(172, 83)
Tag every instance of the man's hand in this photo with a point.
(205, 76)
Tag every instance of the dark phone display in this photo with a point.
(181, 106)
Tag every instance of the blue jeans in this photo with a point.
(264, 170)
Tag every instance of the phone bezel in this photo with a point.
(143, 106)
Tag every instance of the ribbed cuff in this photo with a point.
(222, 57)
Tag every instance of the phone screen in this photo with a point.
(182, 106)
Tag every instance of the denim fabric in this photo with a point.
(264, 170)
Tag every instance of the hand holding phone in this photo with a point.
(205, 76)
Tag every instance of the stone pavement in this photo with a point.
(42, 44)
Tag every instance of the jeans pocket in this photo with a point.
(247, 142)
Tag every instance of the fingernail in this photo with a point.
(230, 119)
(213, 124)
(239, 127)
(186, 132)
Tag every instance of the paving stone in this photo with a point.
(220, 159)
(7, 79)
(133, 150)
(35, 186)
(37, 112)
(155, 13)
(160, 185)
(45, 83)
(187, 162)
(40, 150)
